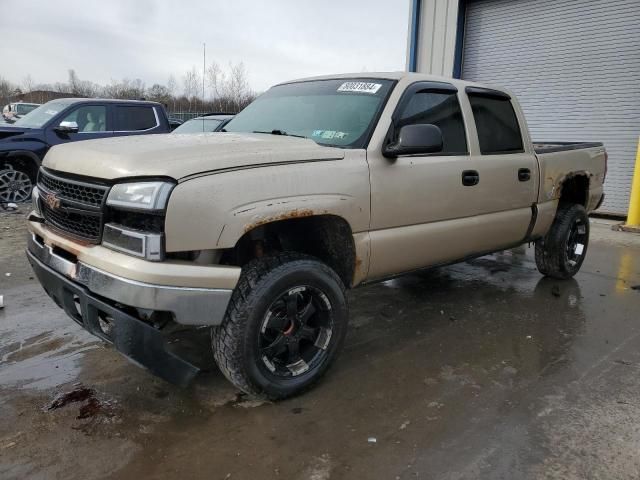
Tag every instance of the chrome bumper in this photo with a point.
(189, 306)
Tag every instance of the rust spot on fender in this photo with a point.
(296, 213)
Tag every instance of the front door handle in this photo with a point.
(470, 178)
(524, 174)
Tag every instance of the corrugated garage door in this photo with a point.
(575, 66)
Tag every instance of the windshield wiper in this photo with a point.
(280, 132)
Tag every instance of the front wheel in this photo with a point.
(285, 325)
(561, 252)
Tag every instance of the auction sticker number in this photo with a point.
(360, 87)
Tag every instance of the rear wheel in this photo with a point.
(561, 252)
(284, 327)
(15, 185)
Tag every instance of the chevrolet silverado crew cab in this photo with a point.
(318, 186)
(24, 143)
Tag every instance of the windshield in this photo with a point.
(198, 125)
(330, 112)
(24, 108)
(40, 116)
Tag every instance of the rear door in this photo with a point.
(136, 120)
(508, 174)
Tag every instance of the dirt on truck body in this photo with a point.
(318, 186)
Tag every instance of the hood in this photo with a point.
(8, 130)
(179, 156)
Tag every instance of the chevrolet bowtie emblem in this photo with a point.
(52, 201)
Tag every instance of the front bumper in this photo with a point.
(134, 338)
(188, 305)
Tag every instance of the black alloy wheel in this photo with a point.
(296, 332)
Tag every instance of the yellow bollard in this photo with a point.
(633, 217)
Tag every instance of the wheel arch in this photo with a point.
(574, 188)
(16, 159)
(327, 237)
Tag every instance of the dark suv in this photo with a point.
(24, 144)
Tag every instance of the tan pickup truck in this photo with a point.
(318, 186)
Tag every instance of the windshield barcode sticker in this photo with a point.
(360, 87)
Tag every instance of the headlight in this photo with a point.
(151, 196)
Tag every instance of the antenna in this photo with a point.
(204, 71)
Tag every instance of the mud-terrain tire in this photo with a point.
(561, 252)
(281, 301)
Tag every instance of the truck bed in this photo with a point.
(550, 147)
(561, 160)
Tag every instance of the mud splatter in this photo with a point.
(78, 394)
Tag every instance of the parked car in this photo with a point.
(212, 122)
(24, 144)
(14, 111)
(319, 186)
(174, 123)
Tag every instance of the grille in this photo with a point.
(77, 207)
(77, 224)
(73, 190)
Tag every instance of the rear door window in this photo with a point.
(135, 118)
(496, 123)
(443, 110)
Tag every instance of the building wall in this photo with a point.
(436, 36)
(573, 65)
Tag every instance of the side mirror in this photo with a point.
(67, 127)
(414, 140)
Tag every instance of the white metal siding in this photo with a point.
(436, 37)
(575, 67)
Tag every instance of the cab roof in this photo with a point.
(104, 100)
(398, 75)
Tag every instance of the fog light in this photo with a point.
(106, 324)
(133, 242)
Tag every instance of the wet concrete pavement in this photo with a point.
(479, 370)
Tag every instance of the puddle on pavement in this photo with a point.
(40, 347)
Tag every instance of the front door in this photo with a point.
(93, 122)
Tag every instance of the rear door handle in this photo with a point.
(524, 174)
(470, 178)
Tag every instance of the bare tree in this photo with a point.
(81, 88)
(172, 85)
(159, 93)
(27, 84)
(191, 82)
(228, 89)
(126, 89)
(61, 87)
(238, 85)
(216, 79)
(74, 82)
(6, 90)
